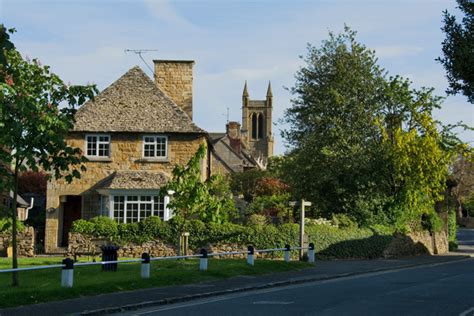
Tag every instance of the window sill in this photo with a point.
(99, 159)
(153, 160)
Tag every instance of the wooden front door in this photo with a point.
(72, 211)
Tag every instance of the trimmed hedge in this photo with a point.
(329, 241)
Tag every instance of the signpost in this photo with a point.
(301, 204)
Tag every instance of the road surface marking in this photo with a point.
(272, 303)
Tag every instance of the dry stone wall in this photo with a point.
(26, 242)
(419, 243)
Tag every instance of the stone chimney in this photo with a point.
(175, 78)
(233, 132)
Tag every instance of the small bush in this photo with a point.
(6, 225)
(257, 220)
(344, 221)
(452, 226)
(431, 222)
(83, 226)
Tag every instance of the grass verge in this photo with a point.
(44, 285)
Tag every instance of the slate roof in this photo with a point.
(133, 180)
(133, 103)
(223, 151)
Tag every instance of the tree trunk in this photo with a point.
(14, 227)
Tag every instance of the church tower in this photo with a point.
(257, 124)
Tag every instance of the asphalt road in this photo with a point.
(445, 289)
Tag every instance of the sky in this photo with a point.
(84, 41)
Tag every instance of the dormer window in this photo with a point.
(155, 146)
(98, 145)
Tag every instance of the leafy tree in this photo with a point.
(458, 50)
(335, 157)
(194, 198)
(462, 174)
(245, 183)
(363, 144)
(35, 126)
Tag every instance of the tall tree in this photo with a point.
(364, 144)
(38, 111)
(334, 142)
(458, 50)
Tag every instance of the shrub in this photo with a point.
(6, 225)
(329, 241)
(257, 220)
(452, 226)
(344, 221)
(83, 226)
(105, 226)
(431, 222)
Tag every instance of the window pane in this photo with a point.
(149, 150)
(119, 208)
(159, 207)
(149, 139)
(104, 138)
(132, 212)
(91, 145)
(103, 150)
(161, 146)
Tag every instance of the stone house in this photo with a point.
(133, 134)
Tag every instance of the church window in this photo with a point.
(260, 126)
(254, 126)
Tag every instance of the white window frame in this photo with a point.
(109, 142)
(164, 199)
(165, 157)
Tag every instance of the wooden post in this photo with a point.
(302, 216)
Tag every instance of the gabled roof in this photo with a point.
(133, 103)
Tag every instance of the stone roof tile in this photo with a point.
(129, 180)
(133, 103)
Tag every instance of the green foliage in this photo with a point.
(452, 226)
(6, 225)
(365, 144)
(335, 158)
(343, 221)
(83, 226)
(351, 242)
(245, 183)
(458, 48)
(431, 222)
(257, 220)
(275, 206)
(209, 201)
(37, 112)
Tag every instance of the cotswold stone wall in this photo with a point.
(418, 243)
(26, 243)
(126, 154)
(81, 245)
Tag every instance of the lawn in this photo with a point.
(44, 285)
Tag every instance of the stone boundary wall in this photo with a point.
(26, 243)
(82, 245)
(419, 243)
